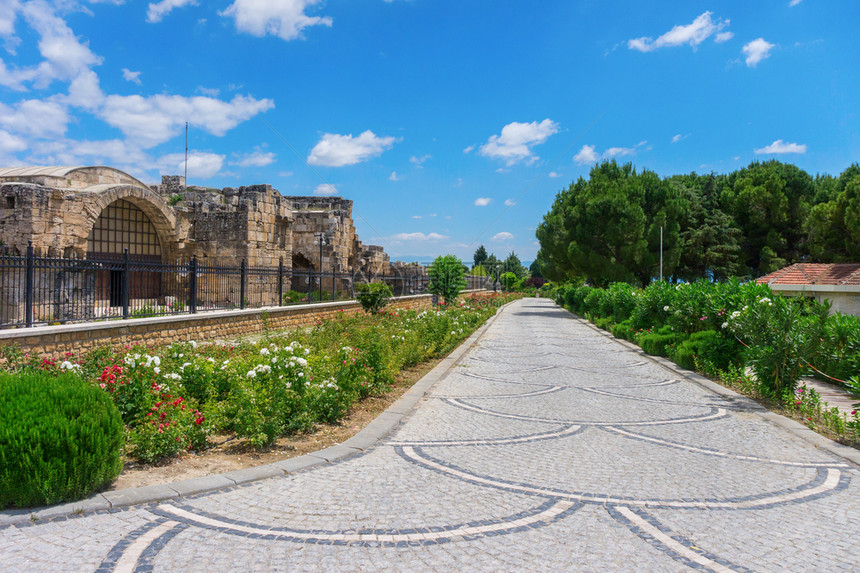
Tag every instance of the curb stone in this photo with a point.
(850, 454)
(380, 427)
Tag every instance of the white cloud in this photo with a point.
(37, 118)
(11, 143)
(794, 2)
(723, 37)
(502, 237)
(482, 201)
(417, 217)
(394, 176)
(678, 137)
(339, 150)
(8, 14)
(201, 165)
(779, 147)
(65, 55)
(131, 76)
(586, 155)
(469, 149)
(157, 11)
(618, 152)
(419, 161)
(418, 237)
(85, 92)
(155, 119)
(510, 202)
(325, 190)
(256, 158)
(756, 51)
(553, 175)
(114, 152)
(282, 18)
(692, 34)
(211, 92)
(516, 140)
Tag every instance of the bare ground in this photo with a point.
(228, 454)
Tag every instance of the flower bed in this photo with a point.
(171, 397)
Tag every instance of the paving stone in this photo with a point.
(546, 446)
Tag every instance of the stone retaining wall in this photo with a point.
(54, 341)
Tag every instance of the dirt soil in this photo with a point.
(227, 453)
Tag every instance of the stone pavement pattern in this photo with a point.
(549, 447)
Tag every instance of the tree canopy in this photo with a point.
(606, 227)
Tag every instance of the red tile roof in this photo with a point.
(814, 274)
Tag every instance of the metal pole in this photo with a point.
(126, 274)
(321, 266)
(28, 294)
(242, 285)
(281, 282)
(186, 156)
(192, 285)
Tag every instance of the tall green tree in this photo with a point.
(710, 239)
(480, 256)
(833, 227)
(512, 264)
(770, 202)
(607, 228)
(447, 277)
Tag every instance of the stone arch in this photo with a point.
(160, 214)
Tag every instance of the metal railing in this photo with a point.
(37, 290)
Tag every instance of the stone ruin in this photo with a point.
(87, 212)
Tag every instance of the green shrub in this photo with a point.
(619, 302)
(447, 277)
(373, 296)
(710, 348)
(653, 306)
(622, 330)
(655, 344)
(781, 336)
(840, 351)
(61, 439)
(604, 323)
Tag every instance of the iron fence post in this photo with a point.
(281, 282)
(192, 285)
(28, 295)
(126, 274)
(242, 285)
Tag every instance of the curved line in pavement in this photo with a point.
(540, 516)
(713, 414)
(549, 390)
(562, 433)
(827, 480)
(713, 452)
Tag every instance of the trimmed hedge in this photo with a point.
(60, 439)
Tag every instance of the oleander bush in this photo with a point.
(61, 439)
(721, 326)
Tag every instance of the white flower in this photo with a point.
(274, 359)
(69, 366)
(302, 362)
(156, 369)
(251, 374)
(736, 314)
(666, 308)
(301, 374)
(192, 343)
(765, 300)
(725, 325)
(264, 351)
(210, 359)
(156, 360)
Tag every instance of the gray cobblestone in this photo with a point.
(547, 447)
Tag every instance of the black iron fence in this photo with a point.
(37, 290)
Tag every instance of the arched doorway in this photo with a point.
(123, 225)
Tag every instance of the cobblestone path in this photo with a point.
(549, 447)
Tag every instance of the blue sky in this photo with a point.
(450, 124)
